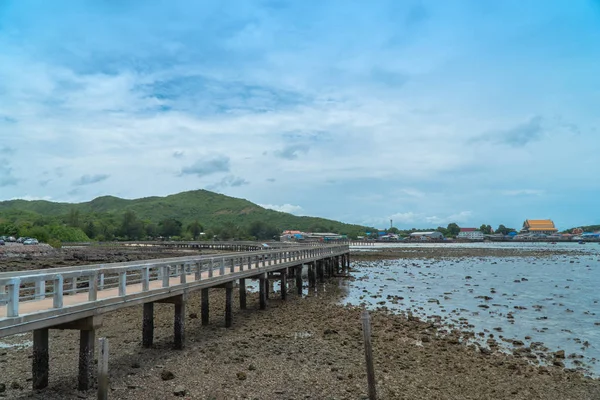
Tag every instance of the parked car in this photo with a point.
(11, 239)
(1, 242)
(21, 239)
(31, 241)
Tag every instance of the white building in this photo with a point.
(435, 235)
(470, 234)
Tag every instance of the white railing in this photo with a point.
(19, 288)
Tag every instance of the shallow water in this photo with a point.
(557, 298)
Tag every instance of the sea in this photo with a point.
(552, 302)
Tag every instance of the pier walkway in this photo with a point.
(77, 297)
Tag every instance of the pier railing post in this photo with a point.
(93, 287)
(57, 299)
(13, 298)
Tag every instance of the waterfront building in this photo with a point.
(434, 235)
(470, 234)
(539, 226)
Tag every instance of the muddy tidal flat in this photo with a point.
(311, 347)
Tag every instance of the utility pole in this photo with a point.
(391, 223)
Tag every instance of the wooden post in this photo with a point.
(283, 284)
(205, 307)
(242, 293)
(87, 341)
(366, 327)
(263, 282)
(103, 369)
(41, 359)
(148, 325)
(228, 308)
(299, 280)
(179, 323)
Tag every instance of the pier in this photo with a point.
(77, 297)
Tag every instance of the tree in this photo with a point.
(73, 218)
(453, 229)
(131, 226)
(90, 229)
(504, 230)
(262, 231)
(195, 229)
(486, 229)
(170, 227)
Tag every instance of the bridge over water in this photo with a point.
(77, 297)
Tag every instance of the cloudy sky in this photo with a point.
(424, 112)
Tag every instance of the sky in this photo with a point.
(422, 112)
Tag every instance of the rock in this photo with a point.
(559, 354)
(16, 385)
(180, 391)
(242, 376)
(330, 332)
(193, 316)
(135, 364)
(251, 367)
(167, 375)
(2, 387)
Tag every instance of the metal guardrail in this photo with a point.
(25, 289)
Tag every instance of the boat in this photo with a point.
(581, 242)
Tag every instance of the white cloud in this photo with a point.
(286, 208)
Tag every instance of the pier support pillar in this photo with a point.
(283, 284)
(205, 309)
(179, 323)
(263, 288)
(228, 307)
(41, 359)
(87, 343)
(243, 294)
(312, 279)
(299, 280)
(320, 271)
(148, 325)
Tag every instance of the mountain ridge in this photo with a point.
(210, 209)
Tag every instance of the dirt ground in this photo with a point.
(303, 348)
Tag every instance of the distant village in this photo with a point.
(532, 230)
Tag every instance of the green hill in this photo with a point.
(104, 217)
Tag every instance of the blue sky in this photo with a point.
(424, 112)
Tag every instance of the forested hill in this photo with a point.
(108, 217)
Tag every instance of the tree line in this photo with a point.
(452, 230)
(79, 227)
